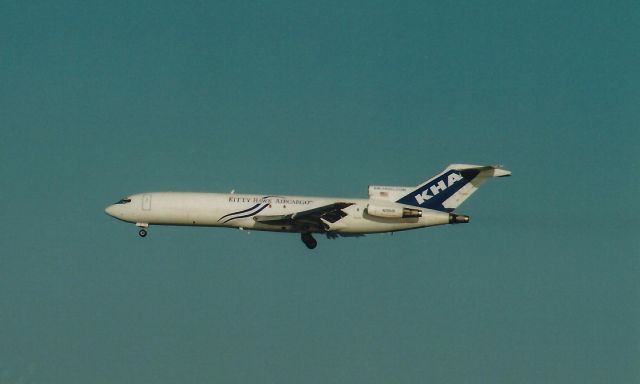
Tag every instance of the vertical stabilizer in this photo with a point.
(449, 189)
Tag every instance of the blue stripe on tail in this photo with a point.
(434, 193)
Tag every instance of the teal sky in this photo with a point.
(102, 100)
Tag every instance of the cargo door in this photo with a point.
(146, 202)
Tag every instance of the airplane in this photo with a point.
(388, 208)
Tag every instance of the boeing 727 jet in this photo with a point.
(388, 208)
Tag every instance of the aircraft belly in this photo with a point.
(198, 217)
(377, 226)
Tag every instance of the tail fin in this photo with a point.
(449, 189)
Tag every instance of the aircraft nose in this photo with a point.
(110, 210)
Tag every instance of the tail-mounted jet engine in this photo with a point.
(393, 212)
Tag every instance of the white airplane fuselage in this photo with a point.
(388, 208)
(239, 210)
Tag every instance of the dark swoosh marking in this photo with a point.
(251, 214)
(235, 213)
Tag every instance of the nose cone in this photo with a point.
(111, 210)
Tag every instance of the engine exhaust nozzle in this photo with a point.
(458, 219)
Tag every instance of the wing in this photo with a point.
(315, 218)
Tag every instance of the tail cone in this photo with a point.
(458, 219)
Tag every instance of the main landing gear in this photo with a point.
(308, 240)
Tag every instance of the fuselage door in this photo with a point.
(146, 202)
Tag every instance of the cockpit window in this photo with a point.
(124, 201)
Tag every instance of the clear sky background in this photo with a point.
(102, 100)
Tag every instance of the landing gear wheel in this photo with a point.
(308, 240)
(142, 232)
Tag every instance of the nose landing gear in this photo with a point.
(143, 229)
(308, 240)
